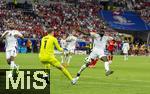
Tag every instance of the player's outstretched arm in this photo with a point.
(110, 38)
(57, 45)
(22, 37)
(19, 36)
(3, 36)
(85, 33)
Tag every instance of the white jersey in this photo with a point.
(100, 42)
(99, 46)
(63, 43)
(125, 47)
(10, 39)
(71, 42)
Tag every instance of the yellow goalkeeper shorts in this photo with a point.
(49, 60)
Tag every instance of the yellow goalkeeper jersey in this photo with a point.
(48, 44)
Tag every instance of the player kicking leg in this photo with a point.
(94, 55)
(100, 41)
(54, 62)
(47, 75)
(46, 54)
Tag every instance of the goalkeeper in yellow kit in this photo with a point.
(46, 55)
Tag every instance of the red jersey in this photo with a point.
(111, 45)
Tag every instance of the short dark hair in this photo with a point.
(101, 33)
(50, 30)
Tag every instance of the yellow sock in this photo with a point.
(66, 73)
(47, 67)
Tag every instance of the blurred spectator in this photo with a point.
(29, 46)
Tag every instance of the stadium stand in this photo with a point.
(31, 18)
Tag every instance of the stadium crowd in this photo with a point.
(143, 8)
(64, 18)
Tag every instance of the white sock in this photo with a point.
(69, 58)
(127, 57)
(12, 65)
(83, 67)
(106, 65)
(62, 59)
(124, 57)
(77, 77)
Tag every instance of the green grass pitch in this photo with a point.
(130, 77)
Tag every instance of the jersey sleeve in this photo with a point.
(95, 35)
(57, 45)
(108, 38)
(71, 38)
(4, 34)
(18, 33)
(68, 38)
(75, 38)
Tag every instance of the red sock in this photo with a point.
(111, 58)
(93, 63)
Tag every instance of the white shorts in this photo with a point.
(13, 52)
(125, 51)
(71, 50)
(96, 53)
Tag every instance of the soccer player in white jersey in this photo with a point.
(10, 38)
(100, 41)
(125, 49)
(63, 44)
(71, 45)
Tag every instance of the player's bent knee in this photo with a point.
(60, 67)
(8, 61)
(57, 65)
(87, 61)
(12, 58)
(45, 62)
(87, 64)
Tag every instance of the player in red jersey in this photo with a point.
(111, 48)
